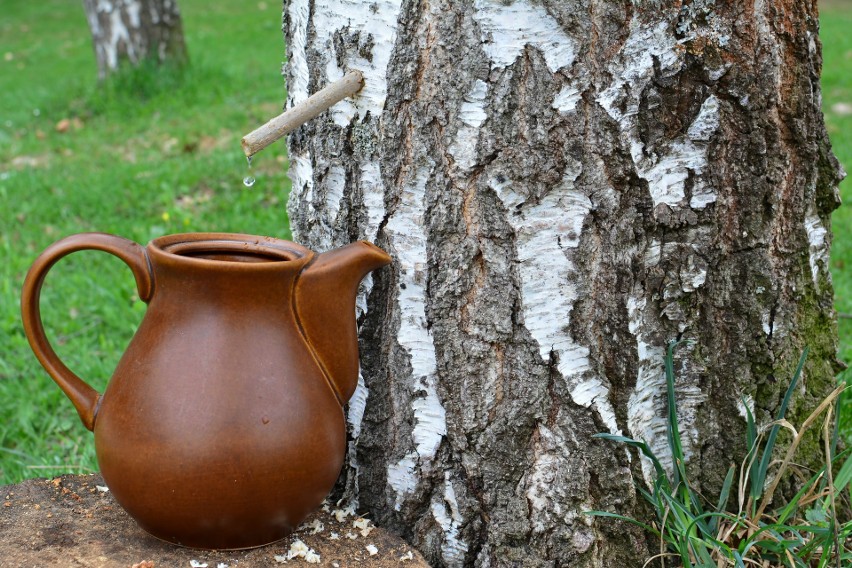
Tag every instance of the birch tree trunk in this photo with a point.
(130, 31)
(565, 187)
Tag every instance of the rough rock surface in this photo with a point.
(72, 521)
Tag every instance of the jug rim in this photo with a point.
(230, 249)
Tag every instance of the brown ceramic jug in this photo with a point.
(222, 426)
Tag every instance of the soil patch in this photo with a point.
(74, 521)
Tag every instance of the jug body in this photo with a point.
(220, 427)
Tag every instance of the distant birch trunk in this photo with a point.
(565, 187)
(130, 31)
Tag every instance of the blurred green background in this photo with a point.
(158, 152)
(152, 153)
(835, 26)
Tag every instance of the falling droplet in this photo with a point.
(248, 181)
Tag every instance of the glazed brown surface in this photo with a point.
(222, 426)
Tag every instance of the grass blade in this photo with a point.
(738, 559)
(680, 480)
(723, 497)
(699, 549)
(751, 444)
(844, 476)
(759, 479)
(641, 446)
(630, 520)
(672, 429)
(726, 489)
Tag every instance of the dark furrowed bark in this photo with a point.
(565, 188)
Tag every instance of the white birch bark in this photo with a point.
(564, 187)
(130, 31)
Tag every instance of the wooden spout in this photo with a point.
(313, 106)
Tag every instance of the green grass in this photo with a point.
(154, 152)
(835, 23)
(812, 529)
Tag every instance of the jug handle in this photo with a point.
(83, 396)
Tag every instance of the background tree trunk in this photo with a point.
(135, 30)
(565, 186)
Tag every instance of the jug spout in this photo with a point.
(325, 303)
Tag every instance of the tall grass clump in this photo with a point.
(698, 532)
